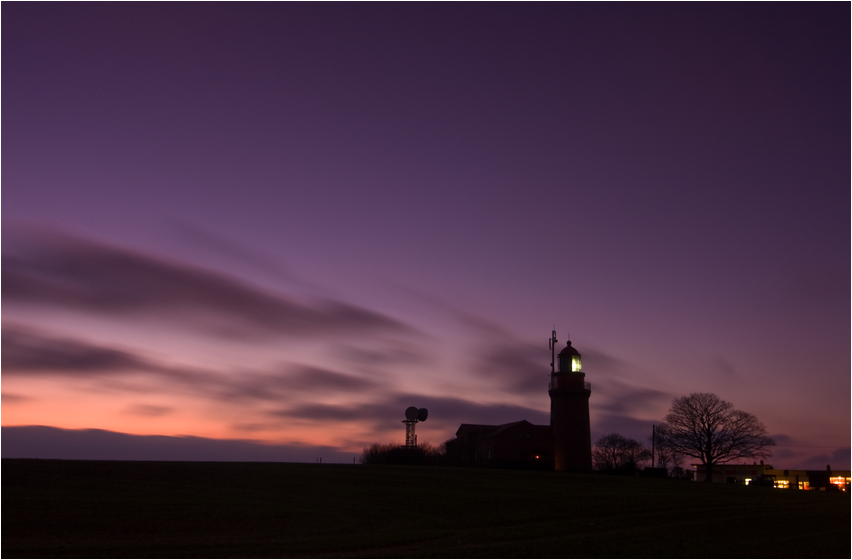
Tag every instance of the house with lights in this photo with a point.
(761, 474)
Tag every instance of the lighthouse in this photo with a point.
(569, 410)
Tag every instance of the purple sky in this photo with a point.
(273, 227)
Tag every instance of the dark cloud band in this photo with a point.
(50, 269)
(27, 351)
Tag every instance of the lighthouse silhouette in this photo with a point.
(569, 410)
(566, 443)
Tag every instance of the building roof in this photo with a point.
(486, 430)
(510, 425)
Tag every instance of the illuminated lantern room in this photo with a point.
(569, 360)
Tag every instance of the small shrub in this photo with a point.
(393, 454)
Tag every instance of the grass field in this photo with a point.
(160, 509)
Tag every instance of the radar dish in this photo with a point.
(411, 413)
(422, 414)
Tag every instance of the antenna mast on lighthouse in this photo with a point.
(552, 343)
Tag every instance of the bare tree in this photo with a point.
(615, 453)
(705, 427)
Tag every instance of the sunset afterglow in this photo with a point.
(269, 228)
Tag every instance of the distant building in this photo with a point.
(761, 474)
(564, 445)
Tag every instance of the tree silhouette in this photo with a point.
(615, 453)
(705, 427)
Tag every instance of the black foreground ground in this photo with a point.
(116, 509)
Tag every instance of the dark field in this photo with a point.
(161, 509)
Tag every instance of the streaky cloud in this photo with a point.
(15, 398)
(27, 351)
(149, 410)
(51, 269)
(518, 367)
(310, 378)
(216, 243)
(31, 352)
(289, 382)
(388, 410)
(383, 356)
(623, 398)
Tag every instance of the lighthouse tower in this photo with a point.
(569, 411)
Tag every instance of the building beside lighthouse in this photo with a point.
(564, 445)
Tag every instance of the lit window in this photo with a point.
(575, 363)
(839, 481)
(782, 484)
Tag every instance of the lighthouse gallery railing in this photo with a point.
(586, 385)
